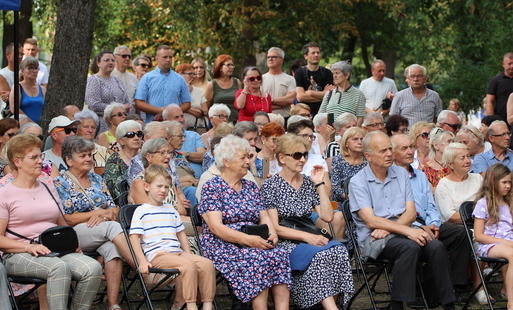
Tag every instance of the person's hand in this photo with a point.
(317, 174)
(317, 240)
(5, 95)
(274, 238)
(390, 95)
(143, 267)
(186, 203)
(436, 230)
(257, 242)
(379, 234)
(330, 129)
(95, 220)
(254, 157)
(419, 236)
(246, 85)
(329, 87)
(111, 214)
(37, 249)
(127, 107)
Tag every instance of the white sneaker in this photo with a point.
(481, 299)
(486, 271)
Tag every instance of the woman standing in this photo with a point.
(223, 87)
(32, 95)
(141, 65)
(201, 77)
(196, 115)
(251, 99)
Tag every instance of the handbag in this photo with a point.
(386, 104)
(304, 224)
(257, 230)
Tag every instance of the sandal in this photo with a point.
(114, 307)
(154, 278)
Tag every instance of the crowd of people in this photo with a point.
(251, 153)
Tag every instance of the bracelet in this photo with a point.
(273, 234)
(319, 184)
(245, 93)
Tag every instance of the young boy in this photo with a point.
(158, 237)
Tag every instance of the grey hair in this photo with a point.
(218, 107)
(491, 130)
(138, 58)
(344, 119)
(396, 137)
(75, 144)
(377, 61)
(108, 110)
(170, 125)
(165, 112)
(277, 118)
(243, 127)
(152, 127)
(371, 115)
(87, 114)
(119, 48)
(442, 116)
(150, 146)
(436, 135)
(319, 118)
(451, 151)
(229, 147)
(295, 118)
(281, 53)
(125, 126)
(343, 66)
(367, 140)
(474, 134)
(415, 66)
(27, 126)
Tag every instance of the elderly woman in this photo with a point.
(8, 129)
(89, 208)
(229, 202)
(32, 95)
(434, 168)
(102, 89)
(141, 65)
(419, 134)
(218, 113)
(290, 193)
(396, 124)
(251, 99)
(473, 139)
(223, 86)
(17, 214)
(348, 163)
(342, 123)
(130, 138)
(114, 114)
(346, 97)
(267, 156)
(201, 77)
(323, 130)
(196, 115)
(87, 128)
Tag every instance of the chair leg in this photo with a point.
(422, 293)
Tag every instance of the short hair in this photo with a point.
(150, 146)
(272, 129)
(155, 171)
(444, 115)
(294, 109)
(351, 132)
(367, 139)
(29, 61)
(296, 127)
(165, 112)
(508, 55)
(109, 108)
(281, 53)
(9, 48)
(229, 147)
(137, 59)
(375, 62)
(28, 125)
(214, 142)
(277, 118)
(183, 67)
(225, 128)
(164, 47)
(319, 118)
(133, 117)
(244, 127)
(87, 114)
(218, 65)
(119, 48)
(417, 127)
(344, 66)
(152, 127)
(249, 68)
(288, 143)
(306, 47)
(295, 118)
(295, 65)
(415, 66)
(343, 119)
(20, 145)
(436, 135)
(170, 125)
(8, 123)
(491, 130)
(218, 107)
(73, 145)
(451, 150)
(371, 115)
(261, 113)
(125, 126)
(30, 41)
(395, 137)
(473, 133)
(394, 122)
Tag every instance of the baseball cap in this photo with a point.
(61, 121)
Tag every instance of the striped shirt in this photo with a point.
(332, 149)
(351, 100)
(158, 227)
(408, 105)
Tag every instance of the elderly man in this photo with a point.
(60, 127)
(123, 60)
(417, 102)
(382, 203)
(279, 84)
(7, 74)
(499, 89)
(373, 121)
(378, 88)
(499, 137)
(449, 121)
(193, 148)
(161, 87)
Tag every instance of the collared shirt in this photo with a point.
(350, 100)
(408, 105)
(192, 142)
(387, 199)
(160, 90)
(484, 160)
(424, 201)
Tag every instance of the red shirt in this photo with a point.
(253, 105)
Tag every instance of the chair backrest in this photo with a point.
(350, 224)
(122, 199)
(125, 215)
(196, 218)
(466, 209)
(123, 186)
(346, 185)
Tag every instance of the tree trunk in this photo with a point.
(25, 26)
(70, 60)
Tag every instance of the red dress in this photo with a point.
(434, 176)
(253, 105)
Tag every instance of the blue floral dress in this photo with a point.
(340, 171)
(248, 270)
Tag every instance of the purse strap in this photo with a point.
(80, 187)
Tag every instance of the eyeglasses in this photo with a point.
(109, 60)
(261, 124)
(221, 116)
(67, 130)
(453, 126)
(307, 136)
(35, 156)
(198, 67)
(404, 130)
(41, 137)
(10, 135)
(416, 76)
(132, 134)
(119, 114)
(298, 155)
(32, 68)
(273, 57)
(144, 65)
(229, 65)
(506, 134)
(181, 136)
(424, 135)
(124, 55)
(163, 153)
(376, 125)
(253, 78)
(305, 115)
(189, 73)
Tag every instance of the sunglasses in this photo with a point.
(424, 135)
(124, 55)
(119, 114)
(253, 78)
(67, 130)
(145, 65)
(298, 155)
(10, 135)
(453, 126)
(132, 134)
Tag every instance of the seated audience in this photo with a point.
(419, 134)
(277, 118)
(223, 129)
(473, 139)
(301, 109)
(89, 122)
(323, 131)
(342, 123)
(8, 128)
(373, 121)
(218, 113)
(260, 118)
(113, 115)
(499, 136)
(434, 168)
(60, 127)
(397, 124)
(268, 134)
(449, 121)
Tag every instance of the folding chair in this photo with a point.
(466, 210)
(23, 280)
(125, 217)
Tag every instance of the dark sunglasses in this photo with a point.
(454, 126)
(119, 114)
(145, 65)
(10, 135)
(132, 134)
(424, 135)
(41, 137)
(67, 130)
(124, 55)
(253, 78)
(298, 155)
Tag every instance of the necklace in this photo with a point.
(438, 163)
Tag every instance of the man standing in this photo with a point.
(123, 57)
(161, 87)
(382, 203)
(30, 49)
(499, 89)
(449, 121)
(378, 88)
(417, 102)
(499, 137)
(312, 80)
(7, 74)
(279, 84)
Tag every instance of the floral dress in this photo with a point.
(329, 272)
(503, 229)
(115, 170)
(248, 270)
(340, 171)
(434, 176)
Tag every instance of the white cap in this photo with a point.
(61, 121)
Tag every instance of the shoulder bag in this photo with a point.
(304, 224)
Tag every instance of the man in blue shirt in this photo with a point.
(382, 203)
(499, 136)
(161, 87)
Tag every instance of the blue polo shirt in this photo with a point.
(484, 160)
(424, 201)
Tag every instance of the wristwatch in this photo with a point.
(186, 155)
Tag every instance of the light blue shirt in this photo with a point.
(160, 90)
(387, 199)
(484, 160)
(424, 201)
(192, 142)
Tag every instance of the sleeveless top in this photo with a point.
(226, 96)
(32, 106)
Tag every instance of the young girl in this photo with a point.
(158, 237)
(493, 221)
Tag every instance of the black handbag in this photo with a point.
(386, 104)
(304, 224)
(257, 230)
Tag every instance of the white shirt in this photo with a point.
(376, 91)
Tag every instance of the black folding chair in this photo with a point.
(125, 217)
(466, 210)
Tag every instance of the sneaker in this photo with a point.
(481, 299)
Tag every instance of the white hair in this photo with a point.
(228, 148)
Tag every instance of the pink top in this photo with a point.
(253, 105)
(29, 212)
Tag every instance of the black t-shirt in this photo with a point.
(322, 77)
(501, 87)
